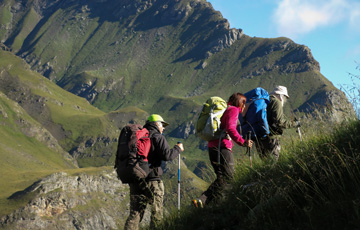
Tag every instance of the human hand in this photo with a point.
(180, 146)
(297, 124)
(249, 143)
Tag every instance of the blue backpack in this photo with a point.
(254, 116)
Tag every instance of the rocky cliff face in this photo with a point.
(62, 201)
(329, 105)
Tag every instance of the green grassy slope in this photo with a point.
(69, 118)
(27, 150)
(86, 132)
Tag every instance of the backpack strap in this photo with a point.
(222, 135)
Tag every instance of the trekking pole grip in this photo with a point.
(248, 138)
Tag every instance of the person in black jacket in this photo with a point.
(152, 190)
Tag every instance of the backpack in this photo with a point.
(131, 161)
(208, 122)
(254, 117)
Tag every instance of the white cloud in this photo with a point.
(355, 17)
(296, 17)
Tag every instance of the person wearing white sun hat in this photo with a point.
(270, 146)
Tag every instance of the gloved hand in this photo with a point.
(297, 124)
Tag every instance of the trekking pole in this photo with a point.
(249, 150)
(179, 184)
(298, 130)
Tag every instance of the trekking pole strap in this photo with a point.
(223, 133)
(298, 130)
(249, 149)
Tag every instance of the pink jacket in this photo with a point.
(228, 122)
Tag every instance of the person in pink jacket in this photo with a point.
(224, 169)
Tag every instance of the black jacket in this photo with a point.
(160, 151)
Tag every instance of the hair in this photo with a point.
(237, 99)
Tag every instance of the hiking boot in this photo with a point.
(197, 203)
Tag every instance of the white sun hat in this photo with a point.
(281, 90)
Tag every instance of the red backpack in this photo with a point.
(131, 161)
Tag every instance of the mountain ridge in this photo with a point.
(145, 45)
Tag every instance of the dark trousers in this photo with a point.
(224, 174)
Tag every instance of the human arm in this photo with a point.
(163, 150)
(279, 117)
(230, 123)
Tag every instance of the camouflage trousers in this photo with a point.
(141, 194)
(268, 147)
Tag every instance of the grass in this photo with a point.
(25, 155)
(5, 18)
(27, 24)
(352, 90)
(314, 185)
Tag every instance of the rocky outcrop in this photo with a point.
(62, 201)
(184, 130)
(225, 41)
(4, 47)
(92, 146)
(329, 105)
(299, 60)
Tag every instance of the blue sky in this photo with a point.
(330, 28)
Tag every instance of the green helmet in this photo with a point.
(155, 118)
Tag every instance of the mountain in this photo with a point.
(140, 53)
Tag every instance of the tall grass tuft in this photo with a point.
(353, 91)
(314, 185)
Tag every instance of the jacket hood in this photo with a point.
(152, 127)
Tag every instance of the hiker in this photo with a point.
(270, 146)
(224, 169)
(151, 191)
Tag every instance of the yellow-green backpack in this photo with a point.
(208, 122)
